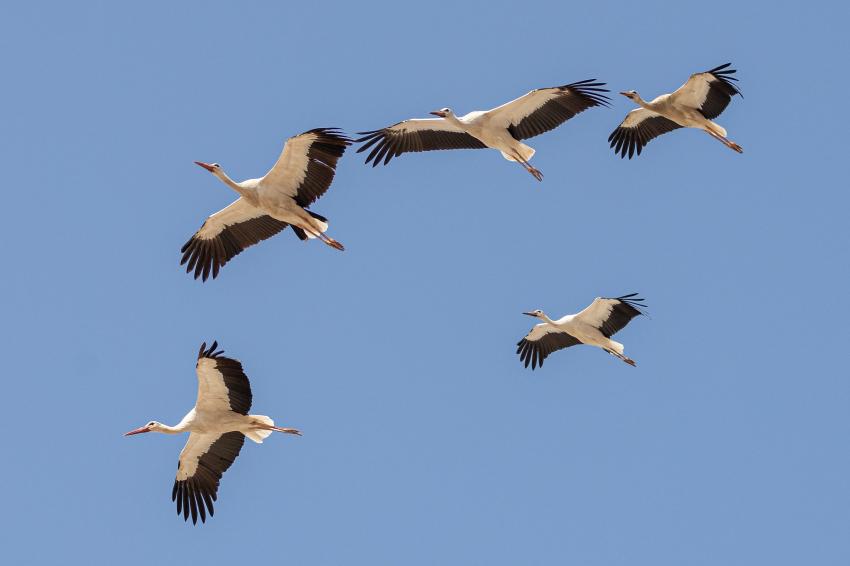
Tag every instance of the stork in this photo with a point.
(302, 173)
(502, 128)
(217, 426)
(593, 326)
(693, 105)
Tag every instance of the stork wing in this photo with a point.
(545, 109)
(710, 91)
(612, 315)
(639, 127)
(222, 385)
(422, 134)
(224, 235)
(306, 166)
(541, 341)
(203, 460)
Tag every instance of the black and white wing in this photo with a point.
(545, 109)
(224, 235)
(202, 462)
(710, 91)
(222, 384)
(542, 341)
(612, 315)
(307, 164)
(639, 127)
(421, 134)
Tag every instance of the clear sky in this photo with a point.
(425, 441)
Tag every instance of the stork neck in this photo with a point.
(165, 429)
(244, 191)
(642, 102)
(452, 119)
(546, 319)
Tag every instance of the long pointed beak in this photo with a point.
(626, 94)
(206, 166)
(438, 113)
(530, 314)
(139, 430)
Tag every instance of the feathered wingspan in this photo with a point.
(545, 109)
(421, 134)
(639, 127)
(202, 462)
(307, 164)
(224, 235)
(612, 315)
(541, 341)
(710, 91)
(222, 384)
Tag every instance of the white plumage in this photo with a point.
(693, 105)
(218, 425)
(302, 173)
(593, 326)
(501, 128)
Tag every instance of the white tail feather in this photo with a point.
(524, 151)
(258, 435)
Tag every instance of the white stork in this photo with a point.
(693, 105)
(501, 128)
(593, 326)
(217, 425)
(303, 172)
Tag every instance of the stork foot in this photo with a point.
(334, 244)
(535, 173)
(294, 431)
(736, 147)
(629, 361)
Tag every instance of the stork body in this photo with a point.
(502, 128)
(593, 326)
(303, 173)
(693, 105)
(218, 425)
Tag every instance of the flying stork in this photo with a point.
(501, 128)
(693, 105)
(593, 326)
(217, 425)
(302, 173)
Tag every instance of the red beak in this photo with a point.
(139, 430)
(209, 168)
(439, 113)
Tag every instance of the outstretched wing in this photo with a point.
(224, 235)
(541, 341)
(425, 134)
(222, 384)
(709, 91)
(202, 462)
(612, 315)
(639, 127)
(545, 109)
(307, 164)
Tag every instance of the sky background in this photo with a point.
(425, 441)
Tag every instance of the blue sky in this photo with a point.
(425, 441)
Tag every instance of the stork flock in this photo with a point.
(219, 421)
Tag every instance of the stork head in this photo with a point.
(152, 426)
(535, 313)
(211, 167)
(632, 94)
(443, 112)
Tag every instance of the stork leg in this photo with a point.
(330, 241)
(279, 429)
(725, 141)
(536, 173)
(626, 359)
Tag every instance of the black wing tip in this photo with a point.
(332, 135)
(724, 75)
(201, 258)
(210, 352)
(633, 300)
